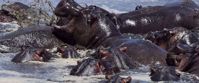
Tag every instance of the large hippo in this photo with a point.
(143, 20)
(101, 31)
(155, 18)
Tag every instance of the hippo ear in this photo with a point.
(123, 49)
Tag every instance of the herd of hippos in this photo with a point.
(166, 38)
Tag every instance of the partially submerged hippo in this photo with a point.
(101, 31)
(155, 18)
(187, 62)
(182, 46)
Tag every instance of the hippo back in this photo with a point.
(184, 14)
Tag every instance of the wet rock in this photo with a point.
(25, 15)
(5, 16)
(8, 27)
(33, 36)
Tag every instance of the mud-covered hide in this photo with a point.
(34, 36)
(164, 73)
(5, 16)
(156, 18)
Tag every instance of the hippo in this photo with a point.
(67, 9)
(101, 31)
(182, 46)
(187, 62)
(156, 18)
(176, 40)
(143, 19)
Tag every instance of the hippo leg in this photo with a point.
(32, 55)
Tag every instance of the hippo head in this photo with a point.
(66, 8)
(104, 61)
(164, 73)
(88, 28)
(89, 66)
